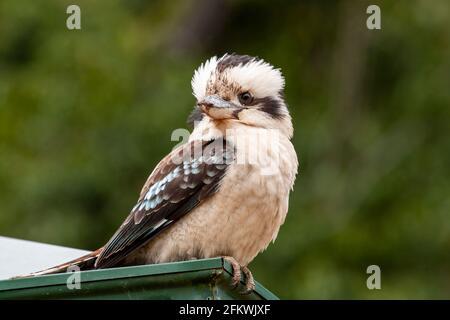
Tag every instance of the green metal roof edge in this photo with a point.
(113, 273)
(129, 272)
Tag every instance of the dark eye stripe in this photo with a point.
(271, 106)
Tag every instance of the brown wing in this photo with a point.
(181, 181)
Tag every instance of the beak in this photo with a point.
(218, 108)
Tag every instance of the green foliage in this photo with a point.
(86, 114)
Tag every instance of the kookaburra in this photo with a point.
(225, 192)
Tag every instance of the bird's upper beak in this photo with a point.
(218, 108)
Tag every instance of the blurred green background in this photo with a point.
(86, 114)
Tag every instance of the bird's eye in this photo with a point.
(245, 98)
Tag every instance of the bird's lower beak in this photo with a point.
(218, 108)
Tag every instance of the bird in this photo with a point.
(223, 193)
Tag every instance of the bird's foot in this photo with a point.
(237, 269)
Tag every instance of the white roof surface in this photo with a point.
(19, 257)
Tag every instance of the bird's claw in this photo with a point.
(236, 268)
(249, 281)
(236, 278)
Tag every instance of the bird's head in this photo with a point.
(240, 89)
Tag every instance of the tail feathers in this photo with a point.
(86, 262)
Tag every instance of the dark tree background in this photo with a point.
(86, 114)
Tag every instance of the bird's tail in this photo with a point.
(85, 262)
